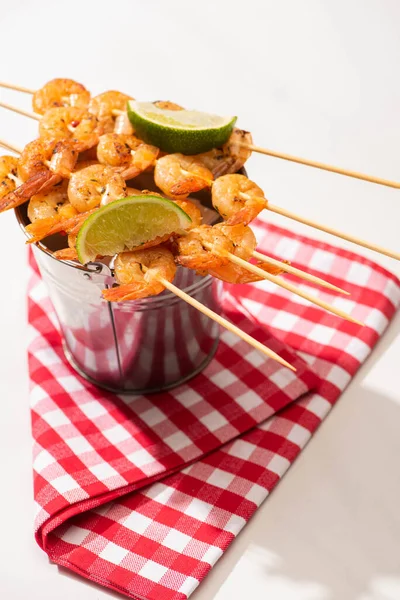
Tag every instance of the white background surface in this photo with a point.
(313, 78)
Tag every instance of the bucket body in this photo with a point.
(130, 347)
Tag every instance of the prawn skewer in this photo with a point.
(203, 177)
(238, 199)
(57, 92)
(41, 165)
(303, 161)
(251, 147)
(212, 248)
(234, 196)
(307, 162)
(39, 230)
(37, 116)
(45, 227)
(88, 186)
(291, 288)
(81, 127)
(148, 272)
(49, 227)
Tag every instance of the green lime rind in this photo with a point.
(185, 131)
(127, 223)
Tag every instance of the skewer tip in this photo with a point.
(335, 288)
(289, 366)
(356, 321)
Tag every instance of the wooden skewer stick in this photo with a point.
(319, 165)
(26, 113)
(320, 227)
(224, 322)
(17, 88)
(9, 146)
(288, 286)
(331, 231)
(35, 116)
(303, 274)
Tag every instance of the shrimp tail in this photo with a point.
(12, 200)
(268, 268)
(248, 277)
(201, 262)
(246, 214)
(36, 184)
(223, 167)
(41, 228)
(240, 275)
(130, 172)
(188, 186)
(239, 217)
(73, 225)
(66, 254)
(44, 227)
(129, 291)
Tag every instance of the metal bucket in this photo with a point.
(132, 347)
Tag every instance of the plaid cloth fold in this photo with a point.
(143, 494)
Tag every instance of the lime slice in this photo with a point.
(127, 223)
(185, 131)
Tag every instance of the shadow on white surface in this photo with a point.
(338, 537)
(99, 590)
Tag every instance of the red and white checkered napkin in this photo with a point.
(144, 494)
